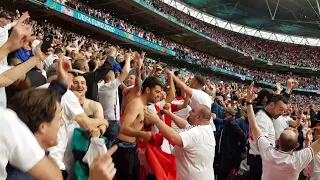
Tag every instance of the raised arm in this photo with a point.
(172, 92)
(291, 85)
(10, 76)
(169, 133)
(181, 123)
(126, 68)
(184, 105)
(255, 129)
(297, 122)
(182, 85)
(21, 34)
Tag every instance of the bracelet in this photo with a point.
(249, 103)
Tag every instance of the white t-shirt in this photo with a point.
(200, 97)
(3, 95)
(49, 60)
(18, 144)
(183, 113)
(282, 165)
(70, 109)
(35, 43)
(280, 124)
(315, 168)
(4, 34)
(195, 159)
(265, 124)
(109, 99)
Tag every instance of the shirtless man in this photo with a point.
(132, 89)
(93, 109)
(126, 158)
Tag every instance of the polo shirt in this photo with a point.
(264, 121)
(277, 164)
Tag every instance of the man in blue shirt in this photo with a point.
(24, 53)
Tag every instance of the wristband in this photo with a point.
(249, 103)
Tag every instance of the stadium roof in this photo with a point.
(292, 21)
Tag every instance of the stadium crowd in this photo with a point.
(79, 108)
(285, 53)
(185, 52)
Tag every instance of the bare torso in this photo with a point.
(129, 96)
(139, 119)
(88, 107)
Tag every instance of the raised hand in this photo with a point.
(62, 69)
(103, 167)
(21, 34)
(169, 72)
(167, 108)
(279, 87)
(112, 51)
(309, 136)
(250, 93)
(150, 117)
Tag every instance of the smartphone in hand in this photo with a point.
(47, 41)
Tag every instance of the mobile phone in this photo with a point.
(47, 41)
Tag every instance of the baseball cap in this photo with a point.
(4, 15)
(230, 111)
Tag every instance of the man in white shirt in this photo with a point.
(73, 116)
(284, 121)
(51, 58)
(22, 150)
(5, 26)
(276, 106)
(194, 91)
(283, 163)
(108, 92)
(194, 147)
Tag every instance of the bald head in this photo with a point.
(288, 139)
(199, 115)
(205, 112)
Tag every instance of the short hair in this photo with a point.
(58, 51)
(200, 80)
(35, 106)
(265, 92)
(151, 82)
(79, 64)
(277, 98)
(92, 65)
(287, 142)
